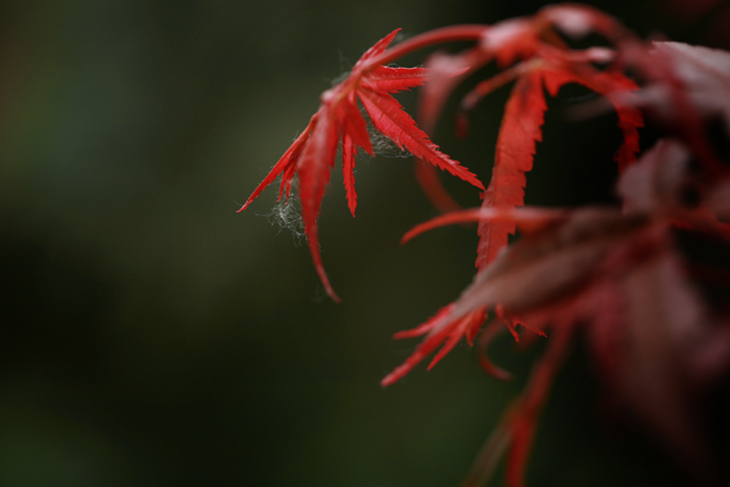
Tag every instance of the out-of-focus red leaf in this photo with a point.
(445, 72)
(485, 338)
(613, 85)
(705, 73)
(685, 88)
(548, 263)
(472, 99)
(430, 181)
(522, 418)
(561, 252)
(437, 334)
(512, 39)
(528, 219)
(653, 183)
(577, 21)
(662, 312)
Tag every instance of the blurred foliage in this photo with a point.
(151, 336)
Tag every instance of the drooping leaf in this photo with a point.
(705, 73)
(520, 130)
(314, 169)
(355, 133)
(312, 155)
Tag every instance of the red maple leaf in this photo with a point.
(312, 155)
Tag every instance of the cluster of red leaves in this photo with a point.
(623, 276)
(545, 63)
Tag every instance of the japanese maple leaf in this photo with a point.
(521, 129)
(312, 155)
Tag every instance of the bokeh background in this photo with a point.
(152, 336)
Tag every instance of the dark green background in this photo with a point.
(151, 336)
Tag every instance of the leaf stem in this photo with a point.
(456, 33)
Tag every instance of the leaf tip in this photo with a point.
(352, 204)
(327, 286)
(397, 374)
(407, 237)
